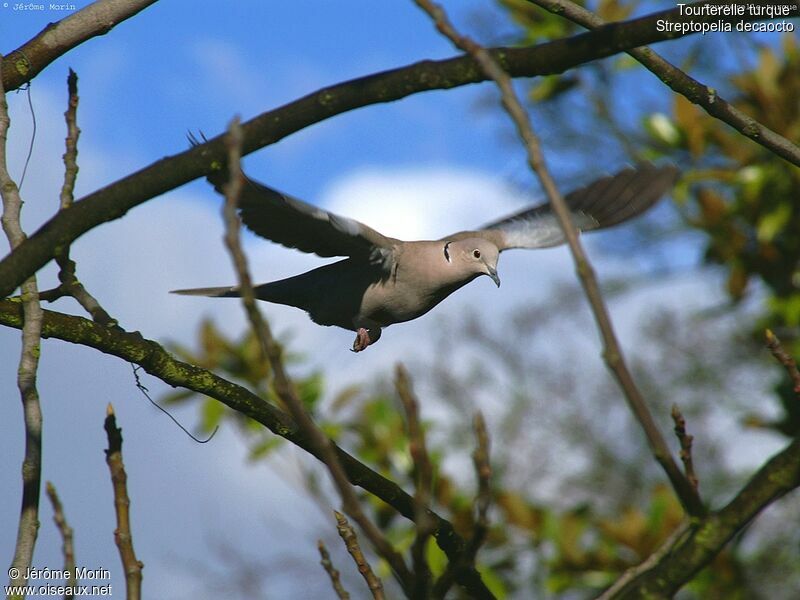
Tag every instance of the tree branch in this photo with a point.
(27, 61)
(423, 481)
(333, 573)
(685, 441)
(783, 357)
(123, 536)
(28, 524)
(70, 284)
(350, 540)
(685, 85)
(114, 200)
(282, 383)
(699, 545)
(67, 547)
(133, 348)
(483, 498)
(612, 352)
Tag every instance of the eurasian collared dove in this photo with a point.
(384, 280)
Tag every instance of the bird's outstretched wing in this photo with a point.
(293, 223)
(603, 203)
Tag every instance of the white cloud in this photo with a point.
(420, 203)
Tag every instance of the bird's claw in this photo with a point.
(362, 340)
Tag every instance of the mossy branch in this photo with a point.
(154, 359)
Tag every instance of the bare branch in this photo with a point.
(685, 85)
(483, 472)
(325, 561)
(686, 446)
(351, 543)
(281, 381)
(423, 479)
(70, 285)
(116, 199)
(67, 548)
(28, 525)
(122, 534)
(73, 133)
(98, 18)
(775, 346)
(612, 351)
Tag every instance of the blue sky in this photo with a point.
(429, 164)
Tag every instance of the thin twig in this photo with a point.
(651, 561)
(483, 471)
(28, 525)
(73, 133)
(281, 382)
(775, 346)
(70, 285)
(686, 446)
(350, 539)
(685, 85)
(483, 498)
(67, 547)
(423, 479)
(612, 351)
(131, 565)
(336, 582)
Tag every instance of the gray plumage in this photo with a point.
(384, 280)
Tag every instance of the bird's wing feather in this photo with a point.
(603, 203)
(293, 223)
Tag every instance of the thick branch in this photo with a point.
(694, 550)
(27, 61)
(685, 85)
(132, 347)
(116, 199)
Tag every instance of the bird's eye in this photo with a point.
(476, 253)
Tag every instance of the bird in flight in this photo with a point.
(383, 280)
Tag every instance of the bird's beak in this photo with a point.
(493, 274)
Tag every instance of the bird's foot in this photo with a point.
(362, 340)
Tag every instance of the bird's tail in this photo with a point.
(212, 292)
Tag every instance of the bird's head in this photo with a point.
(475, 256)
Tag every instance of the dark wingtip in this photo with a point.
(617, 198)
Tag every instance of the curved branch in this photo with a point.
(685, 85)
(699, 545)
(152, 357)
(114, 200)
(26, 62)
